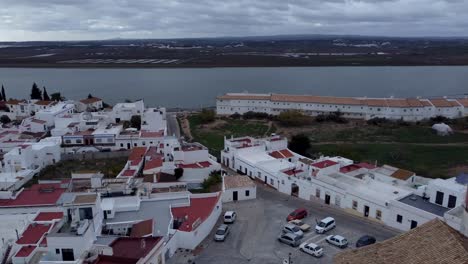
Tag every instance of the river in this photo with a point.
(189, 87)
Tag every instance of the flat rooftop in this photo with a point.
(420, 203)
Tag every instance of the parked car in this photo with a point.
(303, 226)
(337, 240)
(325, 225)
(311, 249)
(221, 233)
(290, 228)
(230, 217)
(297, 214)
(290, 239)
(365, 241)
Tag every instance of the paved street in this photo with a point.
(253, 236)
(172, 125)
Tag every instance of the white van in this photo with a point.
(324, 225)
(230, 217)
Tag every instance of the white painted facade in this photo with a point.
(358, 108)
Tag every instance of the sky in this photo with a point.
(25, 20)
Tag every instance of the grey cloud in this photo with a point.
(100, 19)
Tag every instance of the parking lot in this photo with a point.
(253, 237)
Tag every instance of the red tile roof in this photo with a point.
(292, 172)
(463, 102)
(154, 163)
(33, 234)
(324, 164)
(38, 121)
(103, 259)
(137, 153)
(286, 153)
(441, 102)
(15, 102)
(152, 134)
(25, 251)
(133, 248)
(42, 102)
(142, 229)
(282, 154)
(349, 168)
(366, 165)
(199, 210)
(198, 165)
(48, 216)
(128, 173)
(37, 195)
(90, 100)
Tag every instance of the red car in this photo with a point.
(297, 214)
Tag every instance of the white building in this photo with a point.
(238, 188)
(411, 109)
(125, 111)
(89, 104)
(57, 110)
(394, 196)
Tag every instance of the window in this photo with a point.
(317, 193)
(247, 193)
(67, 141)
(272, 182)
(110, 140)
(121, 145)
(439, 198)
(57, 251)
(79, 141)
(98, 140)
(378, 214)
(355, 205)
(452, 201)
(399, 219)
(259, 175)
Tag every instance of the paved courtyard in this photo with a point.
(253, 237)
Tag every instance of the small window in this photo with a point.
(247, 193)
(355, 205)
(399, 219)
(110, 140)
(272, 182)
(378, 214)
(57, 251)
(67, 141)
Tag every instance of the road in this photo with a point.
(253, 238)
(172, 125)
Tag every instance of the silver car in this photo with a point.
(294, 229)
(221, 233)
(290, 239)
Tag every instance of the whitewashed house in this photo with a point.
(238, 188)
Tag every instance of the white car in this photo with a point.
(312, 249)
(337, 240)
(221, 233)
(325, 225)
(229, 217)
(293, 229)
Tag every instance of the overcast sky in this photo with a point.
(103, 19)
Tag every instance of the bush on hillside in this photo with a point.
(293, 118)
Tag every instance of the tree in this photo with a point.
(3, 94)
(36, 93)
(4, 119)
(135, 122)
(57, 97)
(45, 95)
(207, 116)
(90, 96)
(300, 144)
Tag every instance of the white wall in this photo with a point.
(241, 194)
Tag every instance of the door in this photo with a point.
(366, 210)
(439, 198)
(234, 195)
(452, 201)
(67, 254)
(105, 214)
(129, 146)
(327, 199)
(413, 224)
(265, 179)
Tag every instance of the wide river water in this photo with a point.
(188, 87)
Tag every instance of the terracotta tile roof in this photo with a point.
(42, 102)
(324, 164)
(152, 134)
(376, 102)
(198, 165)
(25, 251)
(33, 234)
(243, 97)
(281, 154)
(90, 100)
(463, 101)
(38, 121)
(154, 163)
(412, 102)
(237, 181)
(133, 248)
(454, 103)
(366, 165)
(315, 99)
(198, 210)
(402, 174)
(292, 172)
(142, 229)
(306, 161)
(48, 216)
(431, 243)
(425, 102)
(441, 102)
(37, 195)
(103, 259)
(128, 173)
(349, 168)
(137, 153)
(15, 102)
